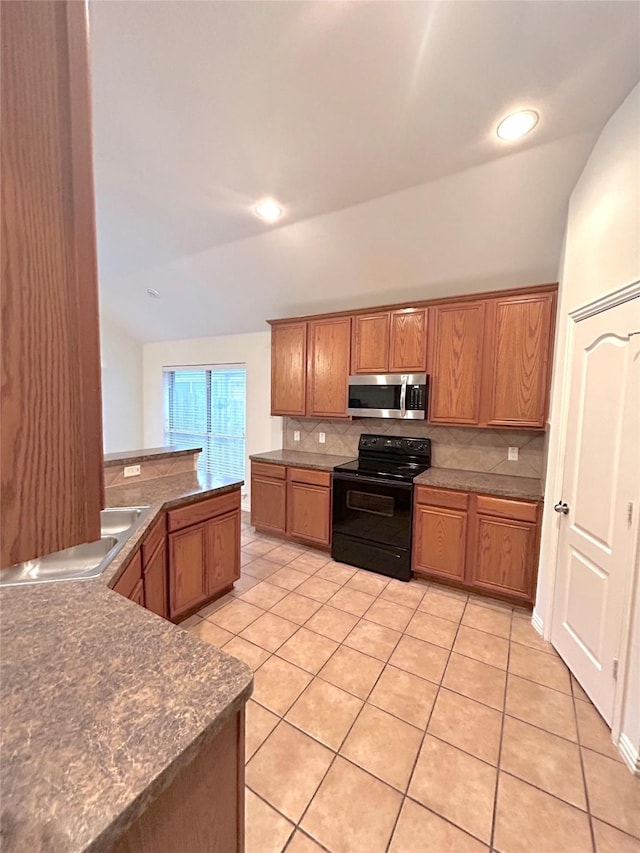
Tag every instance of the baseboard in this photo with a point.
(630, 754)
(537, 623)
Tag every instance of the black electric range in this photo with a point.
(373, 504)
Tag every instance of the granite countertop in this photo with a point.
(317, 461)
(103, 701)
(161, 493)
(130, 457)
(489, 484)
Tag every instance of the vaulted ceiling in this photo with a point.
(373, 124)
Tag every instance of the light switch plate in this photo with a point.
(513, 454)
(296, 435)
(132, 471)
(321, 437)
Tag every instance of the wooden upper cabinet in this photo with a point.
(288, 369)
(455, 362)
(370, 343)
(50, 409)
(328, 367)
(518, 363)
(408, 341)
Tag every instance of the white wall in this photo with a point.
(601, 254)
(121, 357)
(254, 350)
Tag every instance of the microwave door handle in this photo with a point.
(403, 397)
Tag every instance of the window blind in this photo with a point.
(207, 406)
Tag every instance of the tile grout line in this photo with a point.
(584, 774)
(498, 767)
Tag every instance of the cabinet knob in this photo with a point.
(562, 507)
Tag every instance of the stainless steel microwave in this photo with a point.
(389, 395)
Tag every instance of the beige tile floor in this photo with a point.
(409, 717)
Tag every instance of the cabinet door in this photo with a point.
(138, 594)
(504, 556)
(408, 341)
(455, 362)
(187, 569)
(288, 368)
(268, 504)
(370, 343)
(439, 541)
(518, 360)
(223, 551)
(50, 410)
(155, 581)
(328, 367)
(309, 512)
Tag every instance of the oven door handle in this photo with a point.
(358, 478)
(403, 397)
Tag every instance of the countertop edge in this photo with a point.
(128, 458)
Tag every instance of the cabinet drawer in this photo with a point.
(153, 538)
(202, 510)
(442, 497)
(264, 469)
(506, 508)
(131, 576)
(310, 477)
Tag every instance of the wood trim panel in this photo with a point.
(328, 354)
(550, 287)
(370, 343)
(408, 340)
(508, 508)
(288, 369)
(310, 476)
(155, 535)
(442, 497)
(51, 454)
(155, 579)
(202, 510)
(202, 809)
(128, 580)
(265, 469)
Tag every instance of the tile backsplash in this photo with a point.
(451, 447)
(150, 470)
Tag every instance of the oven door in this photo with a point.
(372, 510)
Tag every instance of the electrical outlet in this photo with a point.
(512, 455)
(296, 435)
(132, 471)
(321, 437)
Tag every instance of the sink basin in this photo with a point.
(82, 562)
(119, 519)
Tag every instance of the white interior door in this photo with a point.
(601, 492)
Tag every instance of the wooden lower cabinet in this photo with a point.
(309, 512)
(223, 552)
(187, 569)
(292, 502)
(440, 541)
(490, 547)
(154, 576)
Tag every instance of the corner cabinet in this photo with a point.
(477, 542)
(291, 502)
(328, 368)
(50, 413)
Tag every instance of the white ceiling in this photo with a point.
(352, 114)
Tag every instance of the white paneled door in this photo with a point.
(599, 501)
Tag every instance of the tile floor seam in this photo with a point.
(499, 763)
(277, 811)
(442, 817)
(584, 774)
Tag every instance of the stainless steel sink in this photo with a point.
(82, 562)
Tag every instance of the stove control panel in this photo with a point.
(395, 445)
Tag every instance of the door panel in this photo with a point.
(288, 368)
(223, 551)
(155, 581)
(328, 367)
(268, 504)
(408, 341)
(518, 358)
(187, 562)
(309, 512)
(504, 555)
(370, 344)
(455, 360)
(439, 543)
(596, 547)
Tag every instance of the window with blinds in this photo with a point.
(207, 406)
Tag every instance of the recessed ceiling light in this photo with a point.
(268, 209)
(153, 293)
(517, 124)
